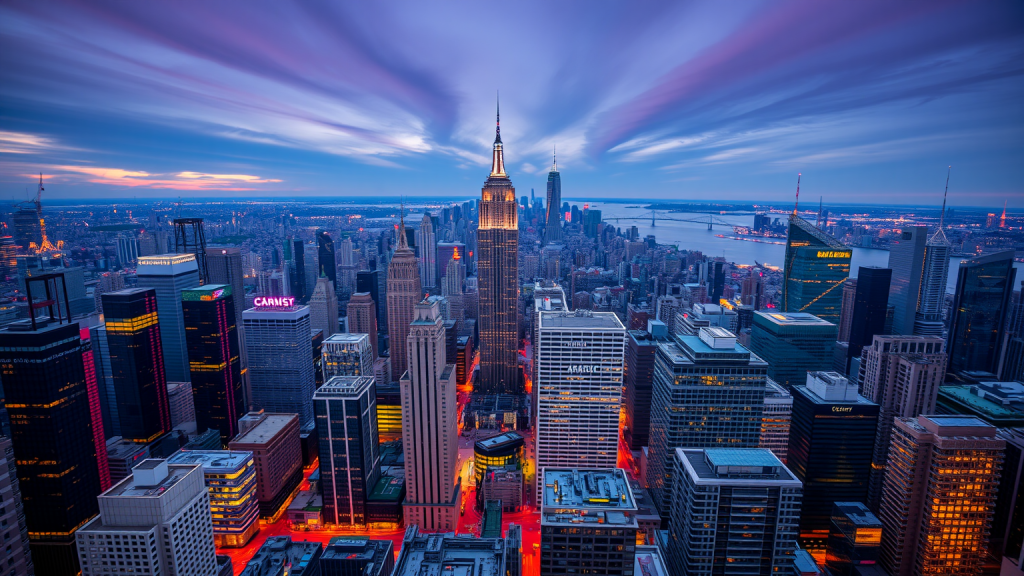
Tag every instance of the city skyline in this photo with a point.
(685, 102)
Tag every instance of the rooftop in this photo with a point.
(275, 313)
(995, 404)
(582, 319)
(266, 429)
(649, 561)
(212, 461)
(166, 265)
(359, 549)
(508, 440)
(450, 555)
(858, 514)
(280, 551)
(151, 478)
(346, 338)
(735, 466)
(599, 496)
(207, 292)
(792, 319)
(344, 387)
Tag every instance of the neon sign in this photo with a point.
(273, 301)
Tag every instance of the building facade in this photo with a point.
(498, 272)
(426, 241)
(793, 344)
(230, 478)
(347, 355)
(983, 289)
(280, 352)
(906, 259)
(362, 319)
(214, 358)
(17, 555)
(641, 346)
(405, 289)
(708, 392)
(168, 275)
(273, 440)
(346, 424)
(816, 267)
(323, 307)
(777, 419)
(429, 427)
(553, 208)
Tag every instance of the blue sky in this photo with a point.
(673, 100)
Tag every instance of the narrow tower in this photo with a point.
(404, 291)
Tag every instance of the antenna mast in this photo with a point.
(797, 205)
(942, 217)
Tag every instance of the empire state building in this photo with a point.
(498, 272)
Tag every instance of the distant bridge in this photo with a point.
(710, 219)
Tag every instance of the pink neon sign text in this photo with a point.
(273, 301)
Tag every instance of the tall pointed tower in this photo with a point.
(405, 289)
(553, 220)
(498, 272)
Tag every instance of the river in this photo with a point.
(696, 236)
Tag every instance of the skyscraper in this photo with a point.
(928, 320)
(346, 424)
(830, 446)
(231, 481)
(328, 264)
(906, 259)
(280, 357)
(983, 290)
(579, 390)
(869, 308)
(429, 427)
(426, 241)
(168, 275)
(553, 218)
(452, 287)
(734, 512)
(498, 271)
(902, 375)
(157, 521)
(792, 344)
(404, 291)
(708, 392)
(17, 556)
(641, 346)
(777, 420)
(211, 334)
(137, 363)
(374, 283)
(362, 318)
(854, 539)
(347, 355)
(323, 307)
(46, 397)
(816, 267)
(939, 495)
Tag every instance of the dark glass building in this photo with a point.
(52, 434)
(983, 289)
(854, 538)
(906, 259)
(831, 442)
(793, 344)
(870, 303)
(641, 346)
(357, 556)
(345, 410)
(211, 337)
(137, 364)
(325, 251)
(553, 217)
(816, 267)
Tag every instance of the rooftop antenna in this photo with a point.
(554, 160)
(797, 205)
(817, 224)
(942, 217)
(1002, 219)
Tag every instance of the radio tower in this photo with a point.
(797, 205)
(1002, 219)
(189, 238)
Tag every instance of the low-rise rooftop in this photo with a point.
(451, 555)
(269, 427)
(792, 319)
(344, 387)
(735, 465)
(277, 552)
(600, 496)
(212, 461)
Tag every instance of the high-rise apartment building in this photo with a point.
(641, 346)
(498, 271)
(708, 393)
(168, 275)
(735, 511)
(137, 363)
(346, 424)
(906, 259)
(939, 495)
(274, 442)
(17, 558)
(231, 480)
(983, 289)
(901, 374)
(362, 319)
(816, 267)
(347, 267)
(46, 397)
(932, 301)
(429, 427)
(854, 539)
(831, 441)
(347, 355)
(280, 353)
(404, 291)
(777, 420)
(157, 521)
(793, 344)
(323, 307)
(600, 499)
(553, 216)
(214, 357)
(426, 241)
(579, 390)
(870, 304)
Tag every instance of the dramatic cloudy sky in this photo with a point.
(677, 100)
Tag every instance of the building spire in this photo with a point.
(497, 128)
(942, 217)
(498, 155)
(797, 204)
(402, 242)
(554, 158)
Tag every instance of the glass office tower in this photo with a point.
(211, 334)
(793, 344)
(983, 289)
(816, 267)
